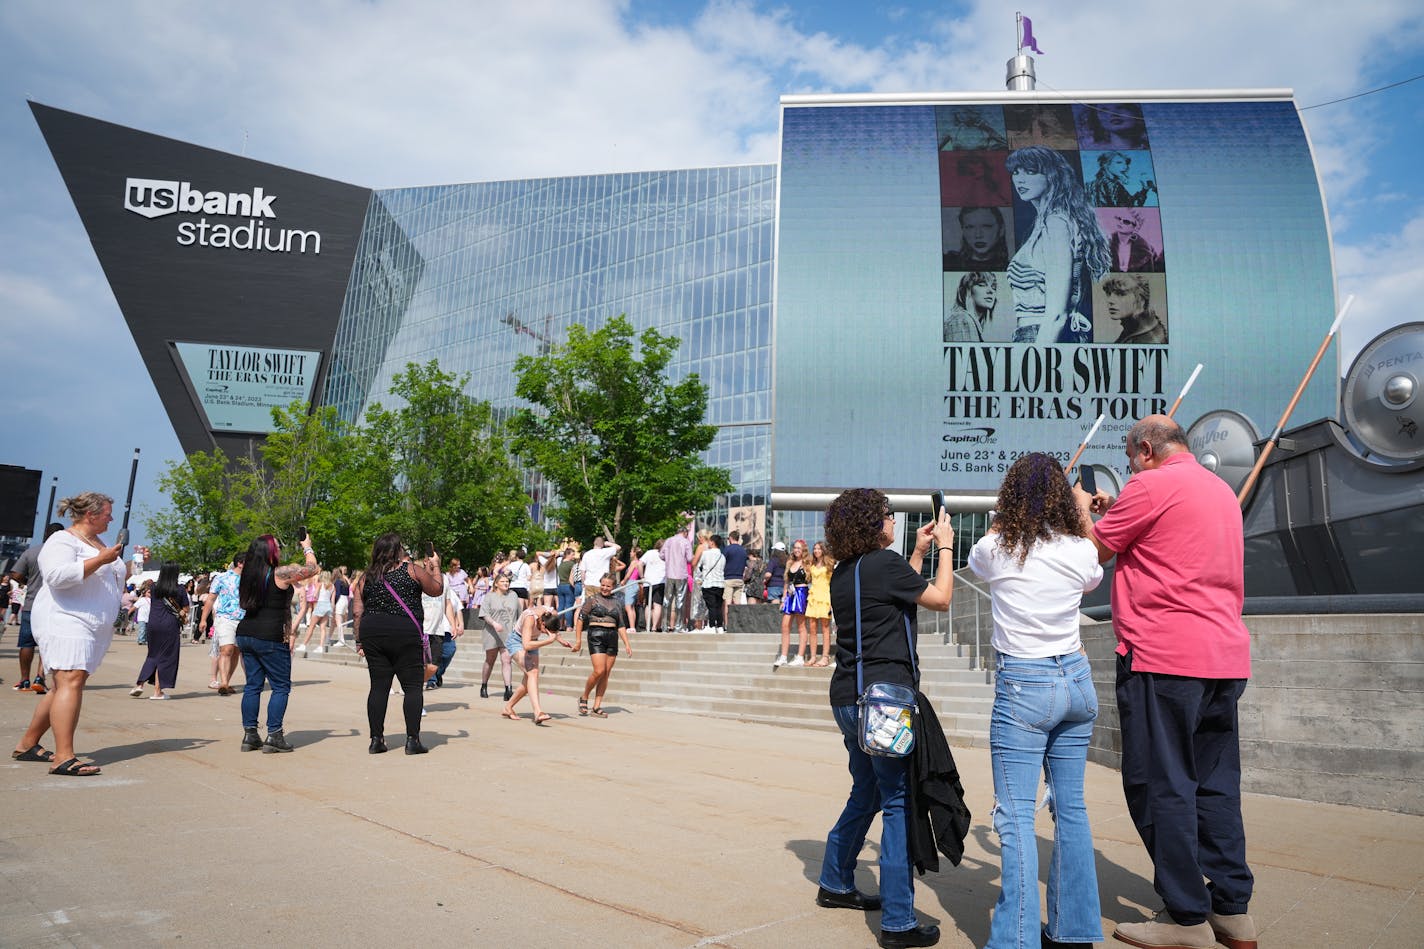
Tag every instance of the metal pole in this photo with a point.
(49, 508)
(128, 501)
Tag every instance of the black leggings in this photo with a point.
(394, 654)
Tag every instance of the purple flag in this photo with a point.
(1026, 28)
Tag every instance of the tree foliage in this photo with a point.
(435, 468)
(618, 440)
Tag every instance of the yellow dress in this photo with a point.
(818, 604)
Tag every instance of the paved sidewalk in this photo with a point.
(645, 829)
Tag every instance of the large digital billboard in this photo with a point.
(237, 387)
(960, 282)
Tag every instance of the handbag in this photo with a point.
(885, 726)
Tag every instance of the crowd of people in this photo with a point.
(1183, 659)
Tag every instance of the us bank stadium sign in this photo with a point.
(155, 198)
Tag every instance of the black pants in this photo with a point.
(1181, 774)
(712, 596)
(392, 654)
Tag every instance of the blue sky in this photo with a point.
(393, 94)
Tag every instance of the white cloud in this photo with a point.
(1386, 275)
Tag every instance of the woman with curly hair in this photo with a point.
(876, 591)
(1063, 252)
(1038, 562)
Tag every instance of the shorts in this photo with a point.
(655, 594)
(527, 659)
(27, 635)
(794, 602)
(322, 609)
(736, 591)
(603, 640)
(521, 592)
(492, 640)
(225, 631)
(341, 603)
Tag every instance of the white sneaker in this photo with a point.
(301, 647)
(317, 649)
(796, 660)
(422, 713)
(136, 691)
(780, 661)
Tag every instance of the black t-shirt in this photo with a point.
(889, 590)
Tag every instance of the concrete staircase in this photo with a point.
(731, 676)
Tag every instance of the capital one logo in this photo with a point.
(153, 197)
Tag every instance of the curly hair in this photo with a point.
(855, 522)
(1036, 504)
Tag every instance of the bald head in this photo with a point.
(1158, 438)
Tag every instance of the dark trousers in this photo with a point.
(394, 655)
(1181, 774)
(712, 596)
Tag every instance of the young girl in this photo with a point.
(793, 603)
(818, 604)
(320, 620)
(524, 649)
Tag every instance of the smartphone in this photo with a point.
(1088, 479)
(429, 549)
(936, 504)
(123, 538)
(301, 533)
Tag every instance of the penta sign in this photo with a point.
(155, 198)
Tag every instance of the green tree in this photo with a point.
(614, 436)
(202, 527)
(448, 477)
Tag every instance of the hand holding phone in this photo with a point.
(937, 504)
(123, 539)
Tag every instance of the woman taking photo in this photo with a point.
(165, 634)
(389, 627)
(860, 527)
(1064, 250)
(524, 645)
(603, 617)
(266, 636)
(793, 605)
(73, 622)
(1038, 562)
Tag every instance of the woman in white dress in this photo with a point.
(73, 620)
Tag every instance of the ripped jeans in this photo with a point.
(1042, 720)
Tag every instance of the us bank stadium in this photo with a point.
(812, 296)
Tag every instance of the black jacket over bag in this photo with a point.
(938, 817)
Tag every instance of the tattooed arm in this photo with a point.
(291, 573)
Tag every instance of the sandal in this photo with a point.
(74, 768)
(541, 719)
(583, 706)
(509, 714)
(598, 712)
(34, 754)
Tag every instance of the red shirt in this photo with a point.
(1178, 588)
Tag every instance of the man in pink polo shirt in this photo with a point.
(1184, 656)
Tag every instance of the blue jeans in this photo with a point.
(263, 661)
(878, 786)
(564, 592)
(441, 657)
(1042, 720)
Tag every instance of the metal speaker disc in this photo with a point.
(1225, 443)
(1384, 408)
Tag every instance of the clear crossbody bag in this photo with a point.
(886, 716)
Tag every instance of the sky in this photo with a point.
(405, 93)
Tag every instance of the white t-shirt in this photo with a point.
(1036, 606)
(519, 575)
(595, 563)
(141, 609)
(433, 608)
(654, 570)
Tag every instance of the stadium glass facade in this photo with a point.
(476, 275)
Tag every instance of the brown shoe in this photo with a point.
(1236, 931)
(1161, 932)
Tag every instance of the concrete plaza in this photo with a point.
(649, 828)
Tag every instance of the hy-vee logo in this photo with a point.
(151, 197)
